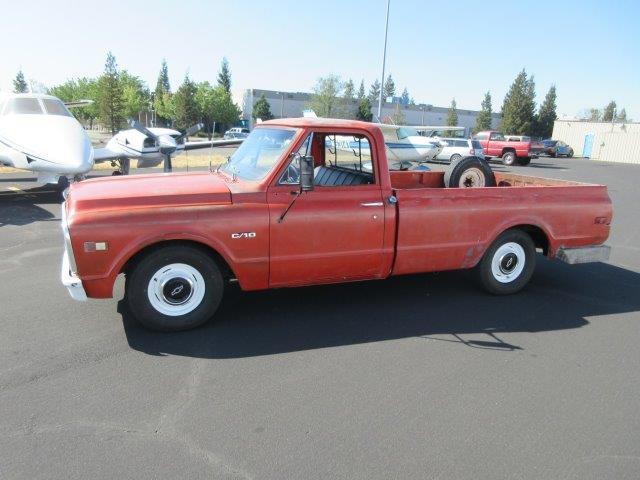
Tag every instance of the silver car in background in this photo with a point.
(455, 148)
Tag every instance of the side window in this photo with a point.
(481, 136)
(497, 136)
(350, 152)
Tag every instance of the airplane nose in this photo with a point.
(71, 148)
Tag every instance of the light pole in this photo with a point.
(384, 60)
(422, 118)
(281, 104)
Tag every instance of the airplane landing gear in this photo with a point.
(123, 166)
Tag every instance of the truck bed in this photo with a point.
(443, 228)
(430, 179)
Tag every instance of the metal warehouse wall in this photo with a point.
(612, 142)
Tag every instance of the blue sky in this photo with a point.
(438, 50)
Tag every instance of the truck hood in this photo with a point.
(151, 190)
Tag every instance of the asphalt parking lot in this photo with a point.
(419, 377)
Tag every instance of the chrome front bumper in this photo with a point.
(71, 280)
(68, 274)
(597, 253)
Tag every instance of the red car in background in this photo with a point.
(511, 151)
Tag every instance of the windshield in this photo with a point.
(258, 154)
(404, 132)
(55, 107)
(23, 106)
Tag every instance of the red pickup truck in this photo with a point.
(512, 151)
(289, 210)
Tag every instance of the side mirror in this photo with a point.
(306, 173)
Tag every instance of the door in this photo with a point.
(333, 233)
(588, 145)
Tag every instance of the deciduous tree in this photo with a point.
(324, 100)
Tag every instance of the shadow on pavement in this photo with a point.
(23, 208)
(443, 307)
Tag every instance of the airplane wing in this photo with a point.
(213, 143)
(106, 154)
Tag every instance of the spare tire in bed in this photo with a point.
(469, 172)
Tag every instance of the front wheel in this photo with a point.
(508, 264)
(173, 288)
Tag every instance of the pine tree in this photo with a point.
(452, 115)
(609, 112)
(261, 109)
(19, 83)
(374, 92)
(349, 90)
(185, 106)
(110, 96)
(406, 99)
(389, 87)
(547, 114)
(622, 116)
(364, 110)
(483, 120)
(162, 96)
(518, 108)
(361, 91)
(224, 76)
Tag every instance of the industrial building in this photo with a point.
(604, 141)
(292, 104)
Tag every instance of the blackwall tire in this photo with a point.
(508, 264)
(524, 161)
(455, 157)
(469, 172)
(509, 158)
(176, 287)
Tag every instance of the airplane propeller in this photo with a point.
(166, 143)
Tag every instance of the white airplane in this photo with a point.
(152, 146)
(404, 143)
(39, 134)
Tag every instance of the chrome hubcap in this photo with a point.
(508, 262)
(176, 289)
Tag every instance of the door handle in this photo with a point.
(371, 204)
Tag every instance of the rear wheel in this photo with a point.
(455, 157)
(174, 288)
(570, 154)
(508, 264)
(509, 158)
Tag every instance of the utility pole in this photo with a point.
(384, 60)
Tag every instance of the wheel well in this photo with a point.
(225, 269)
(505, 150)
(538, 236)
